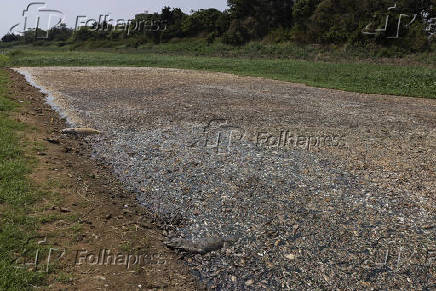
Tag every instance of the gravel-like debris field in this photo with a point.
(264, 184)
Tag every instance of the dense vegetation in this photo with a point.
(357, 23)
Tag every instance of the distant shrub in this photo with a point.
(83, 34)
(279, 35)
(211, 38)
(236, 35)
(4, 60)
(416, 38)
(15, 53)
(41, 43)
(10, 37)
(201, 21)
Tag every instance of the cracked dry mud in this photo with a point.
(311, 188)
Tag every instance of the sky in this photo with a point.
(11, 11)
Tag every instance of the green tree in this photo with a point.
(201, 21)
(10, 37)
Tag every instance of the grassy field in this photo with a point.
(414, 81)
(17, 197)
(252, 50)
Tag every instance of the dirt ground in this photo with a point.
(98, 217)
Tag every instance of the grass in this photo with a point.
(17, 197)
(198, 46)
(414, 81)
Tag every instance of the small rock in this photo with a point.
(290, 256)
(64, 210)
(249, 283)
(109, 216)
(295, 228)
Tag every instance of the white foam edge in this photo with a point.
(50, 98)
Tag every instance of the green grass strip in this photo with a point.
(16, 199)
(414, 81)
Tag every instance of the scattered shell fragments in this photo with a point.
(324, 218)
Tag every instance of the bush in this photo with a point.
(4, 60)
(201, 21)
(279, 35)
(15, 53)
(211, 38)
(236, 35)
(83, 34)
(10, 37)
(416, 38)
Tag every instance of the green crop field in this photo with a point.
(414, 81)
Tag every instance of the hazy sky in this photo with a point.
(11, 10)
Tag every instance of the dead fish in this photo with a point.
(202, 246)
(80, 131)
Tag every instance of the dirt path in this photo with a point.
(93, 216)
(296, 187)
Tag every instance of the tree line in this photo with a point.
(410, 24)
